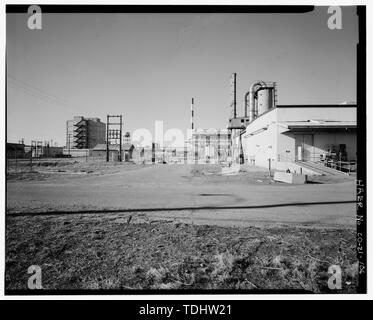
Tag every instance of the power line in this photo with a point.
(38, 93)
(36, 89)
(29, 92)
(38, 96)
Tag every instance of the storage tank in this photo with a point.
(265, 100)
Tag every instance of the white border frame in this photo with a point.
(369, 24)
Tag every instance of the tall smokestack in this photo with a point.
(233, 93)
(192, 110)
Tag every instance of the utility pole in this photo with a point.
(193, 133)
(120, 140)
(185, 153)
(192, 117)
(114, 134)
(107, 138)
(153, 152)
(31, 159)
(218, 155)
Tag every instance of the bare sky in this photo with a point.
(149, 66)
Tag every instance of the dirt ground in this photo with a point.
(126, 252)
(44, 169)
(248, 198)
(176, 227)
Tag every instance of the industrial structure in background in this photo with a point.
(15, 150)
(114, 135)
(84, 133)
(206, 145)
(37, 149)
(296, 138)
(128, 147)
(91, 138)
(309, 139)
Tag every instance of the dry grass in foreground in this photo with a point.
(111, 252)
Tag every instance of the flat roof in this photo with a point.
(102, 147)
(305, 124)
(316, 106)
(306, 106)
(317, 124)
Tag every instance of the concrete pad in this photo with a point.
(295, 168)
(293, 178)
(233, 169)
(173, 186)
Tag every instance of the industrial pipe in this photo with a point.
(245, 106)
(251, 94)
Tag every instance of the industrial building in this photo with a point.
(128, 147)
(52, 152)
(291, 137)
(84, 133)
(35, 150)
(208, 145)
(15, 150)
(128, 151)
(99, 151)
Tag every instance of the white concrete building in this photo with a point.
(290, 134)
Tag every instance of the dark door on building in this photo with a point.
(304, 149)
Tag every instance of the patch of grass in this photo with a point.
(44, 169)
(246, 174)
(205, 169)
(106, 252)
